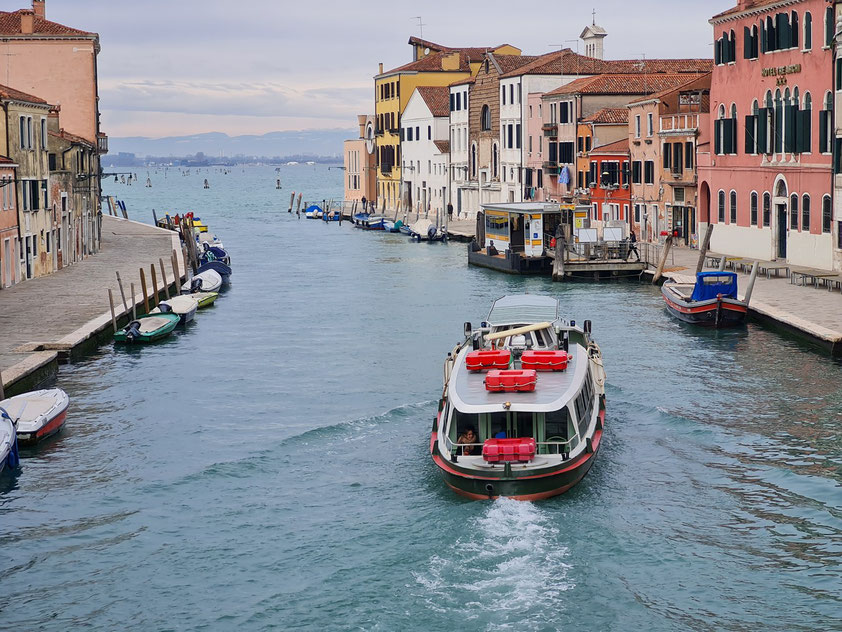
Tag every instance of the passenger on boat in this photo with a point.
(468, 437)
(492, 251)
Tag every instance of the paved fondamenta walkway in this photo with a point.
(59, 309)
(817, 312)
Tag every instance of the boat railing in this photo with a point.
(558, 445)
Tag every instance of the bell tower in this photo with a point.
(593, 37)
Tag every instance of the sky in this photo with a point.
(173, 68)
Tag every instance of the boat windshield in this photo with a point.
(538, 339)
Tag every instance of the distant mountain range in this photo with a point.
(326, 142)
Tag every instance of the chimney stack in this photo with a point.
(380, 68)
(27, 21)
(40, 9)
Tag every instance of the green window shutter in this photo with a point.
(751, 145)
(717, 143)
(746, 43)
(794, 30)
(688, 155)
(762, 137)
(823, 131)
(790, 122)
(667, 155)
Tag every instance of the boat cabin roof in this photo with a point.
(554, 389)
(709, 285)
(523, 309)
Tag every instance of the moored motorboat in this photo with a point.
(184, 305)
(314, 212)
(391, 226)
(206, 281)
(9, 458)
(220, 268)
(37, 414)
(425, 230)
(204, 299)
(369, 222)
(529, 386)
(214, 253)
(712, 301)
(148, 328)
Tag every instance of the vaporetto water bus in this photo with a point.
(523, 407)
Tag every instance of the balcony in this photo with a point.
(102, 143)
(551, 168)
(550, 129)
(683, 123)
(386, 170)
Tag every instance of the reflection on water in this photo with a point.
(267, 467)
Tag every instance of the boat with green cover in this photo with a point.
(148, 328)
(204, 299)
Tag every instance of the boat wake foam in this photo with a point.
(507, 571)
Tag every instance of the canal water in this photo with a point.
(267, 467)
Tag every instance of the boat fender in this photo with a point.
(489, 489)
(13, 460)
(588, 326)
(453, 457)
(133, 330)
(589, 443)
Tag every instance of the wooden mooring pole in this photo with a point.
(113, 317)
(174, 259)
(663, 262)
(123, 294)
(134, 303)
(155, 297)
(298, 204)
(704, 251)
(164, 278)
(145, 293)
(291, 202)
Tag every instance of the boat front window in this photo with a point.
(460, 422)
(558, 429)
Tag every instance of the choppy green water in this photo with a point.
(267, 468)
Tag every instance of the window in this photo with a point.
(429, 132)
(829, 26)
(826, 214)
(637, 176)
(417, 133)
(29, 133)
(793, 211)
(23, 132)
(485, 119)
(725, 49)
(511, 93)
(637, 126)
(767, 209)
(509, 137)
(517, 137)
(808, 31)
(650, 124)
(564, 110)
(805, 213)
(649, 172)
(689, 155)
(503, 94)
(826, 125)
(722, 207)
(43, 133)
(733, 207)
(750, 42)
(780, 32)
(566, 153)
(804, 126)
(753, 208)
(408, 133)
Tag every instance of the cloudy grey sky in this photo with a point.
(189, 66)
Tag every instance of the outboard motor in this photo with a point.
(196, 285)
(431, 233)
(165, 307)
(133, 331)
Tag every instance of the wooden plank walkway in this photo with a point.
(40, 317)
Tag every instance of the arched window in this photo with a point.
(722, 207)
(808, 31)
(793, 26)
(793, 211)
(494, 160)
(485, 119)
(754, 208)
(826, 214)
(733, 207)
(829, 26)
(720, 131)
(805, 213)
(767, 209)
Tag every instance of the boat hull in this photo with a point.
(528, 486)
(220, 268)
(152, 336)
(48, 430)
(717, 313)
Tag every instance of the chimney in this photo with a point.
(27, 21)
(40, 9)
(450, 61)
(380, 72)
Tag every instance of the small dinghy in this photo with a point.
(220, 268)
(331, 216)
(8, 443)
(184, 305)
(204, 299)
(207, 281)
(214, 253)
(38, 414)
(425, 230)
(313, 212)
(392, 227)
(148, 328)
(370, 222)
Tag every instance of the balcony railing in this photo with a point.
(102, 143)
(550, 129)
(551, 168)
(386, 170)
(680, 123)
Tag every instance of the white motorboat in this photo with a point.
(184, 305)
(37, 414)
(210, 281)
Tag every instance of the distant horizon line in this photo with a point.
(289, 131)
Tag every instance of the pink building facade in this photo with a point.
(9, 245)
(535, 146)
(768, 181)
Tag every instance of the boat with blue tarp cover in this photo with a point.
(523, 406)
(712, 301)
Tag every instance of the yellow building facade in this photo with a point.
(433, 65)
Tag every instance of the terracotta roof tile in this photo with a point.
(73, 138)
(617, 147)
(701, 82)
(609, 115)
(6, 160)
(443, 146)
(16, 95)
(569, 63)
(631, 84)
(10, 26)
(749, 4)
(436, 98)
(433, 63)
(475, 53)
